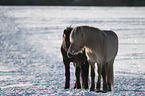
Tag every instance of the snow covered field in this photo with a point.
(30, 40)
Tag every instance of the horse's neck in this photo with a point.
(93, 40)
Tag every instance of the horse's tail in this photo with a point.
(110, 71)
(112, 77)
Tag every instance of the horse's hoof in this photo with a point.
(86, 88)
(104, 91)
(109, 89)
(77, 87)
(98, 91)
(66, 87)
(92, 89)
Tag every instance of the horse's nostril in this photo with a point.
(72, 52)
(69, 55)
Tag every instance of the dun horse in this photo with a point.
(79, 60)
(101, 47)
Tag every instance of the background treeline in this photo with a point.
(75, 2)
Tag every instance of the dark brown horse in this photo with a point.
(79, 59)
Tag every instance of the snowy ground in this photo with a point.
(30, 40)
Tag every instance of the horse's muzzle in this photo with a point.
(71, 53)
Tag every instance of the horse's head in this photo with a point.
(66, 35)
(67, 32)
(76, 41)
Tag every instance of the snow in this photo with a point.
(30, 40)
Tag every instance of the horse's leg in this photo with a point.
(92, 88)
(85, 74)
(104, 75)
(99, 77)
(77, 73)
(110, 77)
(67, 74)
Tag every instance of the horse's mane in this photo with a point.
(66, 40)
(67, 31)
(69, 28)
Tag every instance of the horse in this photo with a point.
(80, 62)
(101, 47)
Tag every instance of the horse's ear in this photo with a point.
(70, 26)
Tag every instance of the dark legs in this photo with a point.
(92, 88)
(83, 69)
(102, 71)
(85, 74)
(108, 78)
(104, 75)
(99, 77)
(110, 74)
(67, 74)
(105, 70)
(77, 73)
